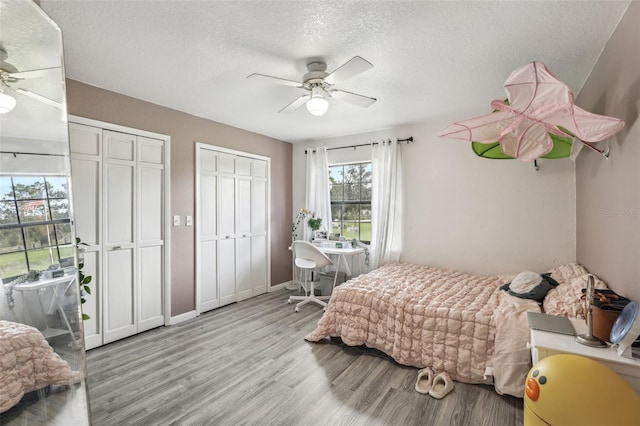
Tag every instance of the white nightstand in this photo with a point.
(544, 344)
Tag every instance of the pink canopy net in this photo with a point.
(538, 104)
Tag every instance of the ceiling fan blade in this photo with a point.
(40, 98)
(32, 73)
(296, 104)
(353, 98)
(276, 80)
(354, 66)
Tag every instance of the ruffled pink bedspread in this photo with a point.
(28, 363)
(423, 316)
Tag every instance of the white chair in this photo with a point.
(307, 258)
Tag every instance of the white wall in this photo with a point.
(468, 213)
(608, 191)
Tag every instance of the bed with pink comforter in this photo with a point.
(28, 363)
(450, 321)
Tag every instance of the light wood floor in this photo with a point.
(247, 363)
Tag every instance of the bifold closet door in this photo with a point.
(244, 289)
(150, 255)
(227, 254)
(207, 228)
(119, 232)
(259, 214)
(86, 178)
(232, 227)
(207, 217)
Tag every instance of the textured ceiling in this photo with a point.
(32, 41)
(432, 60)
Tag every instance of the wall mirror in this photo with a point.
(42, 376)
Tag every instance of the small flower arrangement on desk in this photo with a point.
(313, 222)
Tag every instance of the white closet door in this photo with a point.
(259, 215)
(86, 178)
(243, 207)
(227, 255)
(244, 288)
(243, 268)
(119, 318)
(150, 204)
(150, 313)
(93, 326)
(227, 271)
(207, 293)
(259, 265)
(227, 206)
(240, 241)
(119, 181)
(119, 231)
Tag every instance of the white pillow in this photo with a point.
(524, 282)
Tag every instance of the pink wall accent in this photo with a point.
(608, 191)
(184, 129)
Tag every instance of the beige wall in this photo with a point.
(468, 213)
(608, 191)
(184, 129)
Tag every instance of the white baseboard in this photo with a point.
(182, 317)
(279, 286)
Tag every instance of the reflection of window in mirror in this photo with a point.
(35, 228)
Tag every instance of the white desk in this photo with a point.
(545, 344)
(43, 285)
(342, 254)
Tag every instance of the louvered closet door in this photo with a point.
(207, 228)
(86, 179)
(150, 255)
(227, 255)
(119, 233)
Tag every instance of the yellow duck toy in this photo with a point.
(564, 390)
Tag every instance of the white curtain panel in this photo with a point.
(317, 194)
(386, 203)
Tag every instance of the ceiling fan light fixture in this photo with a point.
(317, 105)
(7, 103)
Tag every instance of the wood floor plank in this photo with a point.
(247, 363)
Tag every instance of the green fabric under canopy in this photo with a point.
(561, 149)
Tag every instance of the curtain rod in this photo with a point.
(16, 153)
(407, 140)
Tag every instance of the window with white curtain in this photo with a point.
(351, 200)
(35, 229)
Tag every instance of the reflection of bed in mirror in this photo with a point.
(28, 363)
(43, 382)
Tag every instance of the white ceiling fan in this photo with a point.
(9, 75)
(320, 85)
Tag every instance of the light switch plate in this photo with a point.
(188, 220)
(176, 220)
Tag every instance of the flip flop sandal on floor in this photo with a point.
(441, 386)
(425, 378)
